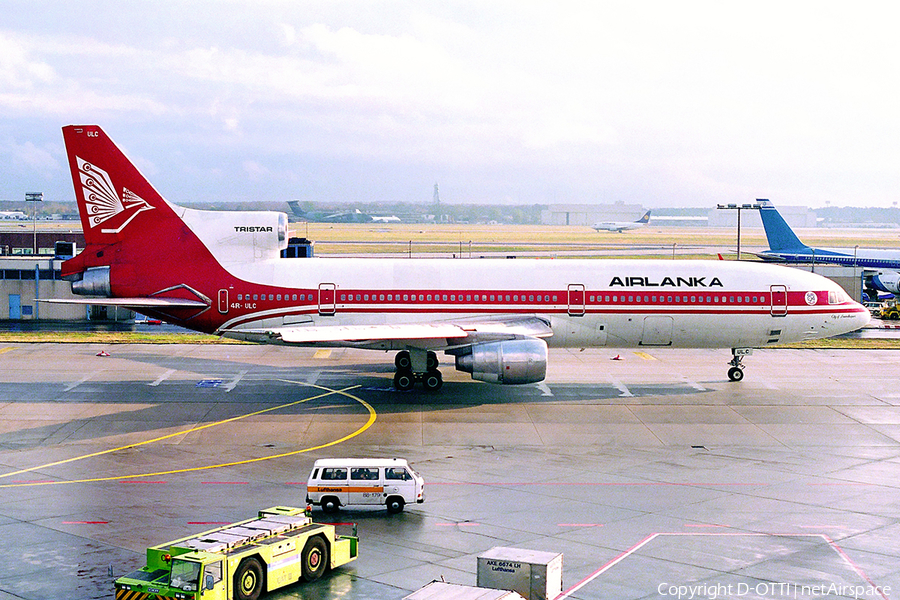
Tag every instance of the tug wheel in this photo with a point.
(315, 558)
(248, 580)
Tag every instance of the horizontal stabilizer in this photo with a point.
(160, 303)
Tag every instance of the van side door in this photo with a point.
(366, 486)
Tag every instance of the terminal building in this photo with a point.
(26, 275)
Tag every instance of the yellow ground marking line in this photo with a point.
(645, 356)
(329, 392)
(326, 353)
(7, 349)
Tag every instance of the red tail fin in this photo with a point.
(128, 227)
(112, 194)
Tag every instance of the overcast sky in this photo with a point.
(656, 103)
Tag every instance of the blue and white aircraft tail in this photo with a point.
(785, 246)
(779, 234)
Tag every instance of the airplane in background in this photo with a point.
(345, 216)
(619, 226)
(786, 247)
(221, 273)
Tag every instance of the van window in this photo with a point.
(333, 474)
(364, 474)
(397, 473)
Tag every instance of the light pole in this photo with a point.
(739, 207)
(34, 197)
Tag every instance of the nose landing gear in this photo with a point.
(417, 365)
(736, 372)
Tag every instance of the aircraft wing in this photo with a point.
(452, 333)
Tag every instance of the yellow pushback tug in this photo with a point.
(240, 561)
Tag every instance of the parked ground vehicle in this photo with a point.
(890, 311)
(336, 482)
(240, 561)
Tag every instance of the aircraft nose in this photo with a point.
(860, 317)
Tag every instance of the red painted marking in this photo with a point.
(598, 483)
(209, 523)
(145, 482)
(85, 522)
(225, 482)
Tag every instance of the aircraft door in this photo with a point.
(327, 298)
(657, 331)
(576, 300)
(223, 301)
(779, 300)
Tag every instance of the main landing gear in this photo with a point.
(736, 372)
(417, 365)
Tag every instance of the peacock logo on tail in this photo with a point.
(102, 202)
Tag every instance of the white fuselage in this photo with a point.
(620, 303)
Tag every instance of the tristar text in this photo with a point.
(252, 229)
(665, 282)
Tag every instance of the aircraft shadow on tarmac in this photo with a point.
(179, 402)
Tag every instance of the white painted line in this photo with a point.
(72, 386)
(545, 389)
(313, 377)
(693, 384)
(621, 387)
(230, 386)
(162, 378)
(607, 566)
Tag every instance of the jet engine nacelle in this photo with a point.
(511, 362)
(887, 281)
(93, 282)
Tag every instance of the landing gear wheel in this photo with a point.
(431, 361)
(315, 558)
(402, 361)
(735, 374)
(432, 381)
(248, 580)
(395, 505)
(404, 381)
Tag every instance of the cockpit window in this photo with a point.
(838, 297)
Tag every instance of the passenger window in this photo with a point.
(364, 474)
(334, 474)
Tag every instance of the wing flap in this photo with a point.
(360, 333)
(453, 333)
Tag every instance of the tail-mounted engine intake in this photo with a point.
(94, 282)
(511, 362)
